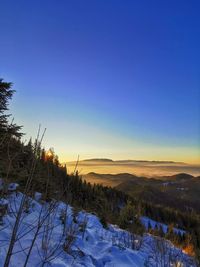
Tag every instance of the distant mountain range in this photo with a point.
(181, 190)
(128, 160)
(99, 159)
(136, 167)
(125, 179)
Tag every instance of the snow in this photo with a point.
(96, 246)
(146, 221)
(12, 186)
(3, 202)
(37, 196)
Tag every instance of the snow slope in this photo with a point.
(92, 244)
(146, 221)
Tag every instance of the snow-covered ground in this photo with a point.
(66, 238)
(147, 221)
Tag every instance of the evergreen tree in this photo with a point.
(6, 128)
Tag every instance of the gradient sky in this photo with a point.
(108, 78)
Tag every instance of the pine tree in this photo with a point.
(6, 128)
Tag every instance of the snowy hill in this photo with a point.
(53, 234)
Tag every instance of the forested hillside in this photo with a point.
(38, 170)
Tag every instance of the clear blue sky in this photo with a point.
(117, 79)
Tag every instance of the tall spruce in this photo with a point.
(6, 128)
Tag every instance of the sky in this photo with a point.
(107, 78)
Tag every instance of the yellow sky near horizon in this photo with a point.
(176, 154)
